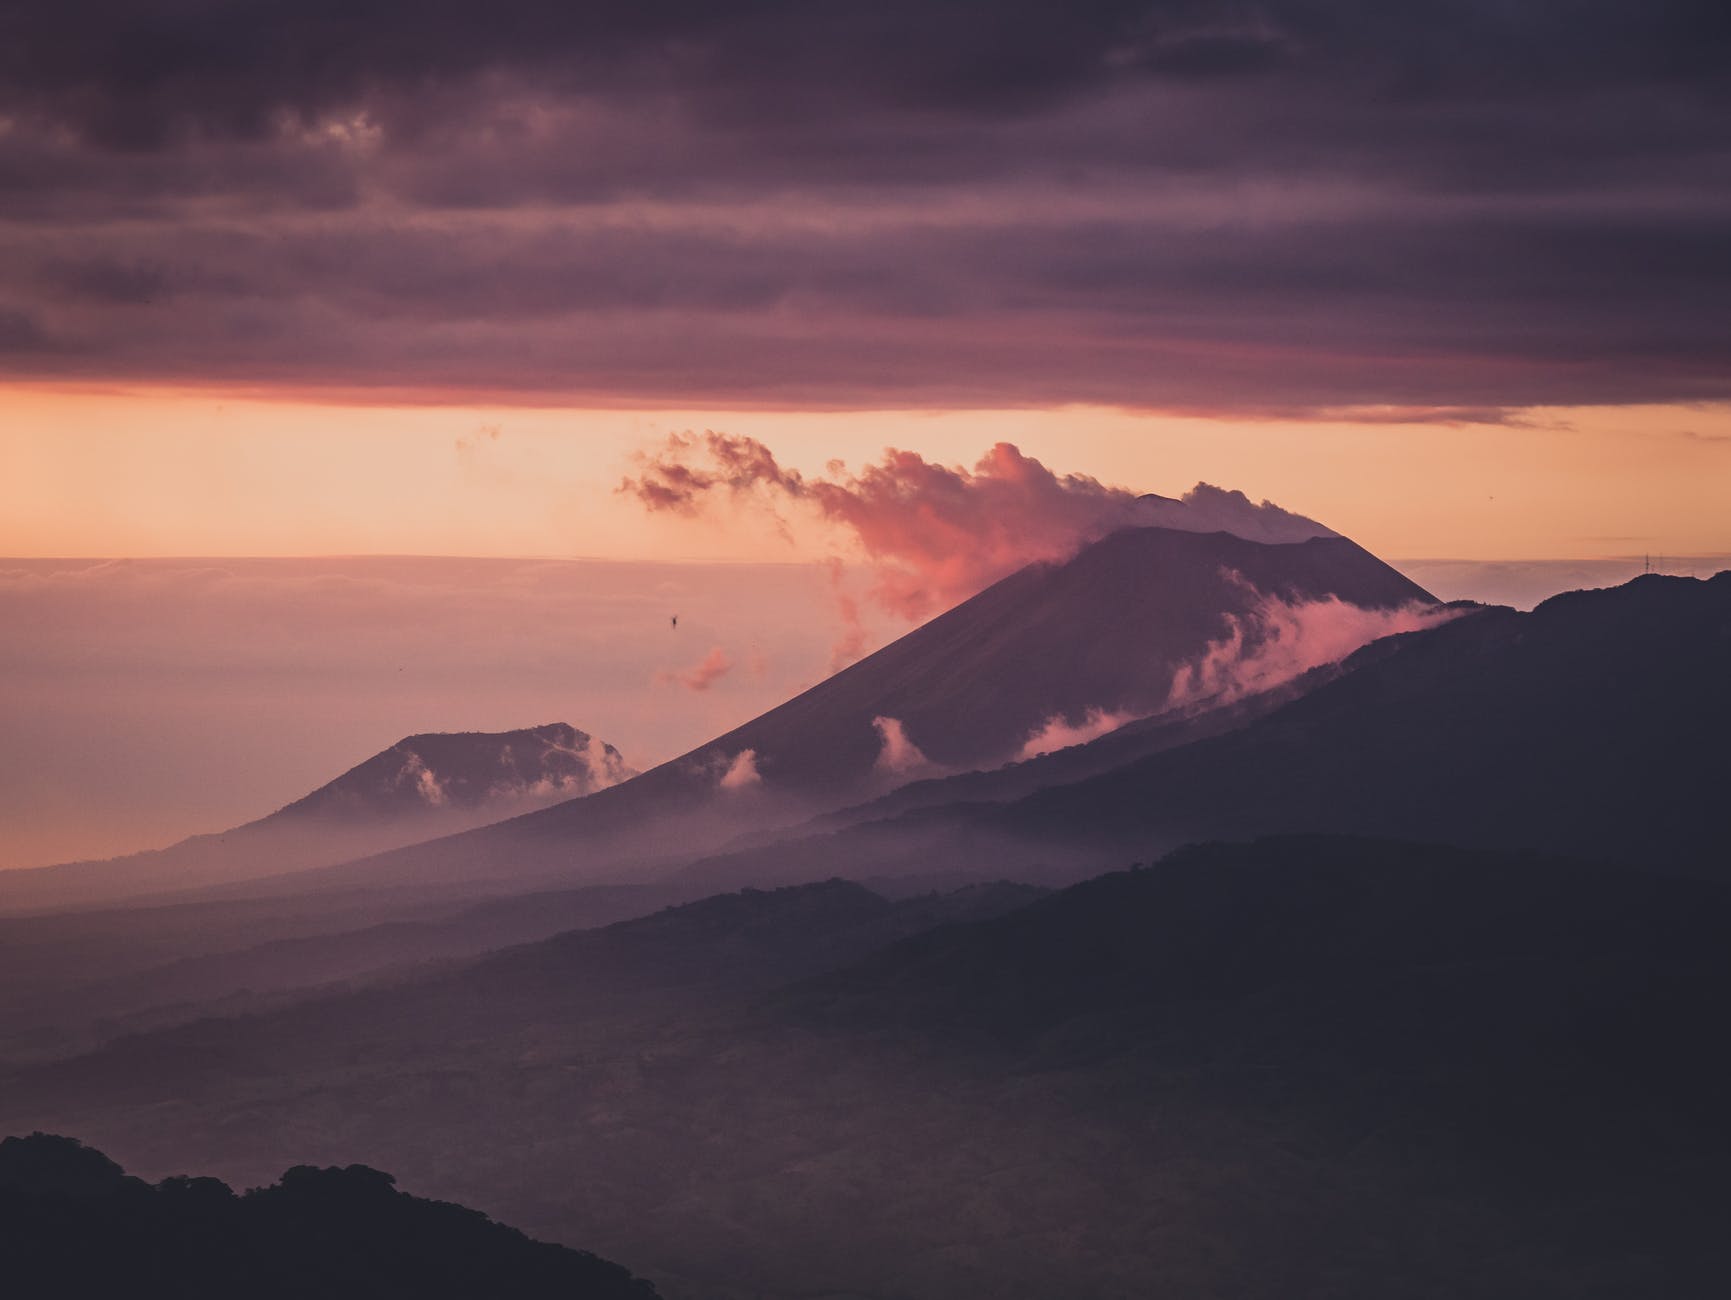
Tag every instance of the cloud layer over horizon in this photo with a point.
(1431, 211)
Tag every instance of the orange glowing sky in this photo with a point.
(159, 472)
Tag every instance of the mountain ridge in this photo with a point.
(1110, 629)
(73, 1223)
(1587, 727)
(423, 786)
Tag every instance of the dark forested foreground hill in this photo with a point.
(74, 1226)
(1308, 1066)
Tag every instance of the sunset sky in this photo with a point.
(1451, 276)
(209, 473)
(294, 279)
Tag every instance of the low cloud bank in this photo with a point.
(1058, 733)
(1279, 640)
(1274, 642)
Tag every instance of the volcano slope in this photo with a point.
(1112, 631)
(93, 949)
(1592, 727)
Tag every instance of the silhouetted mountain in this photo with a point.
(71, 981)
(1233, 923)
(1591, 727)
(1106, 632)
(421, 787)
(1307, 1066)
(72, 1224)
(712, 949)
(1594, 726)
(789, 855)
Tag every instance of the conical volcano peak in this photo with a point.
(1209, 509)
(1135, 624)
(1116, 629)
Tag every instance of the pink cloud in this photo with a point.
(702, 675)
(899, 755)
(1058, 732)
(741, 772)
(1279, 640)
(932, 534)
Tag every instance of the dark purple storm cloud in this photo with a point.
(1274, 208)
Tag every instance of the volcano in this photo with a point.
(1592, 727)
(421, 787)
(1133, 622)
(469, 771)
(1103, 635)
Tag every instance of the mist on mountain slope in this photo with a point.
(1591, 726)
(420, 788)
(1109, 629)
